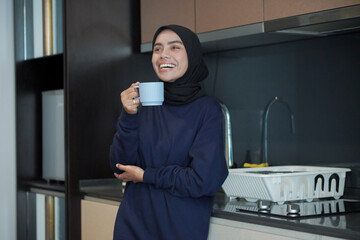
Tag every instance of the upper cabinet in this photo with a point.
(163, 12)
(214, 15)
(198, 15)
(274, 9)
(231, 24)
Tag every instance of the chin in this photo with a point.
(167, 79)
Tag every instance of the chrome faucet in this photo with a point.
(264, 149)
(228, 137)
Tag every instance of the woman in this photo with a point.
(171, 156)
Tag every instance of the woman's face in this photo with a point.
(169, 56)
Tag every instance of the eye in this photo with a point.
(175, 47)
(157, 49)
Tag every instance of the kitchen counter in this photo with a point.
(345, 226)
(341, 226)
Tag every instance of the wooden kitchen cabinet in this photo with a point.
(211, 15)
(214, 15)
(198, 15)
(163, 12)
(274, 9)
(97, 220)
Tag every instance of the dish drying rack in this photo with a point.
(285, 183)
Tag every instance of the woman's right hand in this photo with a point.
(130, 104)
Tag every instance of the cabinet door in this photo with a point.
(97, 220)
(274, 9)
(214, 14)
(217, 231)
(236, 230)
(157, 13)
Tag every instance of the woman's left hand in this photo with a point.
(131, 173)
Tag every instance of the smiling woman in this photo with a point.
(169, 57)
(187, 87)
(171, 156)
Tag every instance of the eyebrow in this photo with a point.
(169, 43)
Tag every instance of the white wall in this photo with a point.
(7, 124)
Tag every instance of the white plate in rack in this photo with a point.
(285, 183)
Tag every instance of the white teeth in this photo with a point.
(166, 65)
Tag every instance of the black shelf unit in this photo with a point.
(101, 42)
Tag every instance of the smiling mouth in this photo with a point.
(166, 66)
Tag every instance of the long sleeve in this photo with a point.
(125, 142)
(207, 166)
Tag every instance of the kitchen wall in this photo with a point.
(318, 78)
(7, 124)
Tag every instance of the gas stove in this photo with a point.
(295, 209)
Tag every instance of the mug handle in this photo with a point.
(136, 97)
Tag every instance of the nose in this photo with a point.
(164, 54)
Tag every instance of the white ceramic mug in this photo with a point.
(151, 93)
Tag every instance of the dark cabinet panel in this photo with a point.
(100, 38)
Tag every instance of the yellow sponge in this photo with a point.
(253, 165)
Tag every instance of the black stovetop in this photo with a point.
(295, 210)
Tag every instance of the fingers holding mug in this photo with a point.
(135, 101)
(129, 99)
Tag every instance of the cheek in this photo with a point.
(185, 64)
(153, 61)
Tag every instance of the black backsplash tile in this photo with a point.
(319, 78)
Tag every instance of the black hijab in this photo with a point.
(187, 88)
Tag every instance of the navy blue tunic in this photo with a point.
(181, 149)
